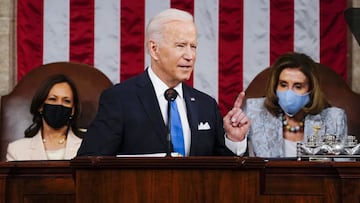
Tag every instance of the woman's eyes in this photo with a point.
(282, 84)
(296, 86)
(66, 101)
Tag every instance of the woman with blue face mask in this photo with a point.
(293, 109)
(53, 135)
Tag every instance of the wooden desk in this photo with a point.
(190, 179)
(214, 179)
(36, 181)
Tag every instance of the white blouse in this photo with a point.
(290, 148)
(55, 154)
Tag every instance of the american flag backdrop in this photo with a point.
(237, 38)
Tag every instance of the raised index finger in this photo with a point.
(239, 100)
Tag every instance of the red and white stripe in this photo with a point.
(237, 38)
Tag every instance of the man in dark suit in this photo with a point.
(132, 115)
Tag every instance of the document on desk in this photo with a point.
(173, 154)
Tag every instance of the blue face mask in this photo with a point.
(290, 102)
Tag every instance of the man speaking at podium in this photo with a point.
(155, 112)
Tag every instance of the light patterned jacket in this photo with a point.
(266, 131)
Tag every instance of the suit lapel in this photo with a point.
(147, 97)
(72, 145)
(37, 149)
(192, 114)
(192, 108)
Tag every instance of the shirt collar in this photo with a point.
(160, 87)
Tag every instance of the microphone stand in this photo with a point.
(168, 136)
(170, 95)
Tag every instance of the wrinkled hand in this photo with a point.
(236, 123)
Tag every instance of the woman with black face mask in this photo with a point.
(53, 134)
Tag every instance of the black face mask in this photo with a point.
(56, 116)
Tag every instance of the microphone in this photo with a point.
(170, 95)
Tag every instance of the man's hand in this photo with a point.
(236, 123)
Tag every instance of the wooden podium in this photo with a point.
(214, 179)
(191, 179)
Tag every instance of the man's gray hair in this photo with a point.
(156, 25)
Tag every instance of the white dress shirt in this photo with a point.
(160, 88)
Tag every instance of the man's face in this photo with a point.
(174, 56)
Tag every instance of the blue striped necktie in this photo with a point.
(176, 130)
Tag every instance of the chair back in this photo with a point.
(334, 87)
(15, 114)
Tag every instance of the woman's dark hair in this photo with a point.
(309, 68)
(41, 95)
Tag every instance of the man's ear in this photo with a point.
(153, 49)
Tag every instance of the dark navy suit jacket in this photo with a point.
(129, 121)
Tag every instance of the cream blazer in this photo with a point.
(33, 148)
